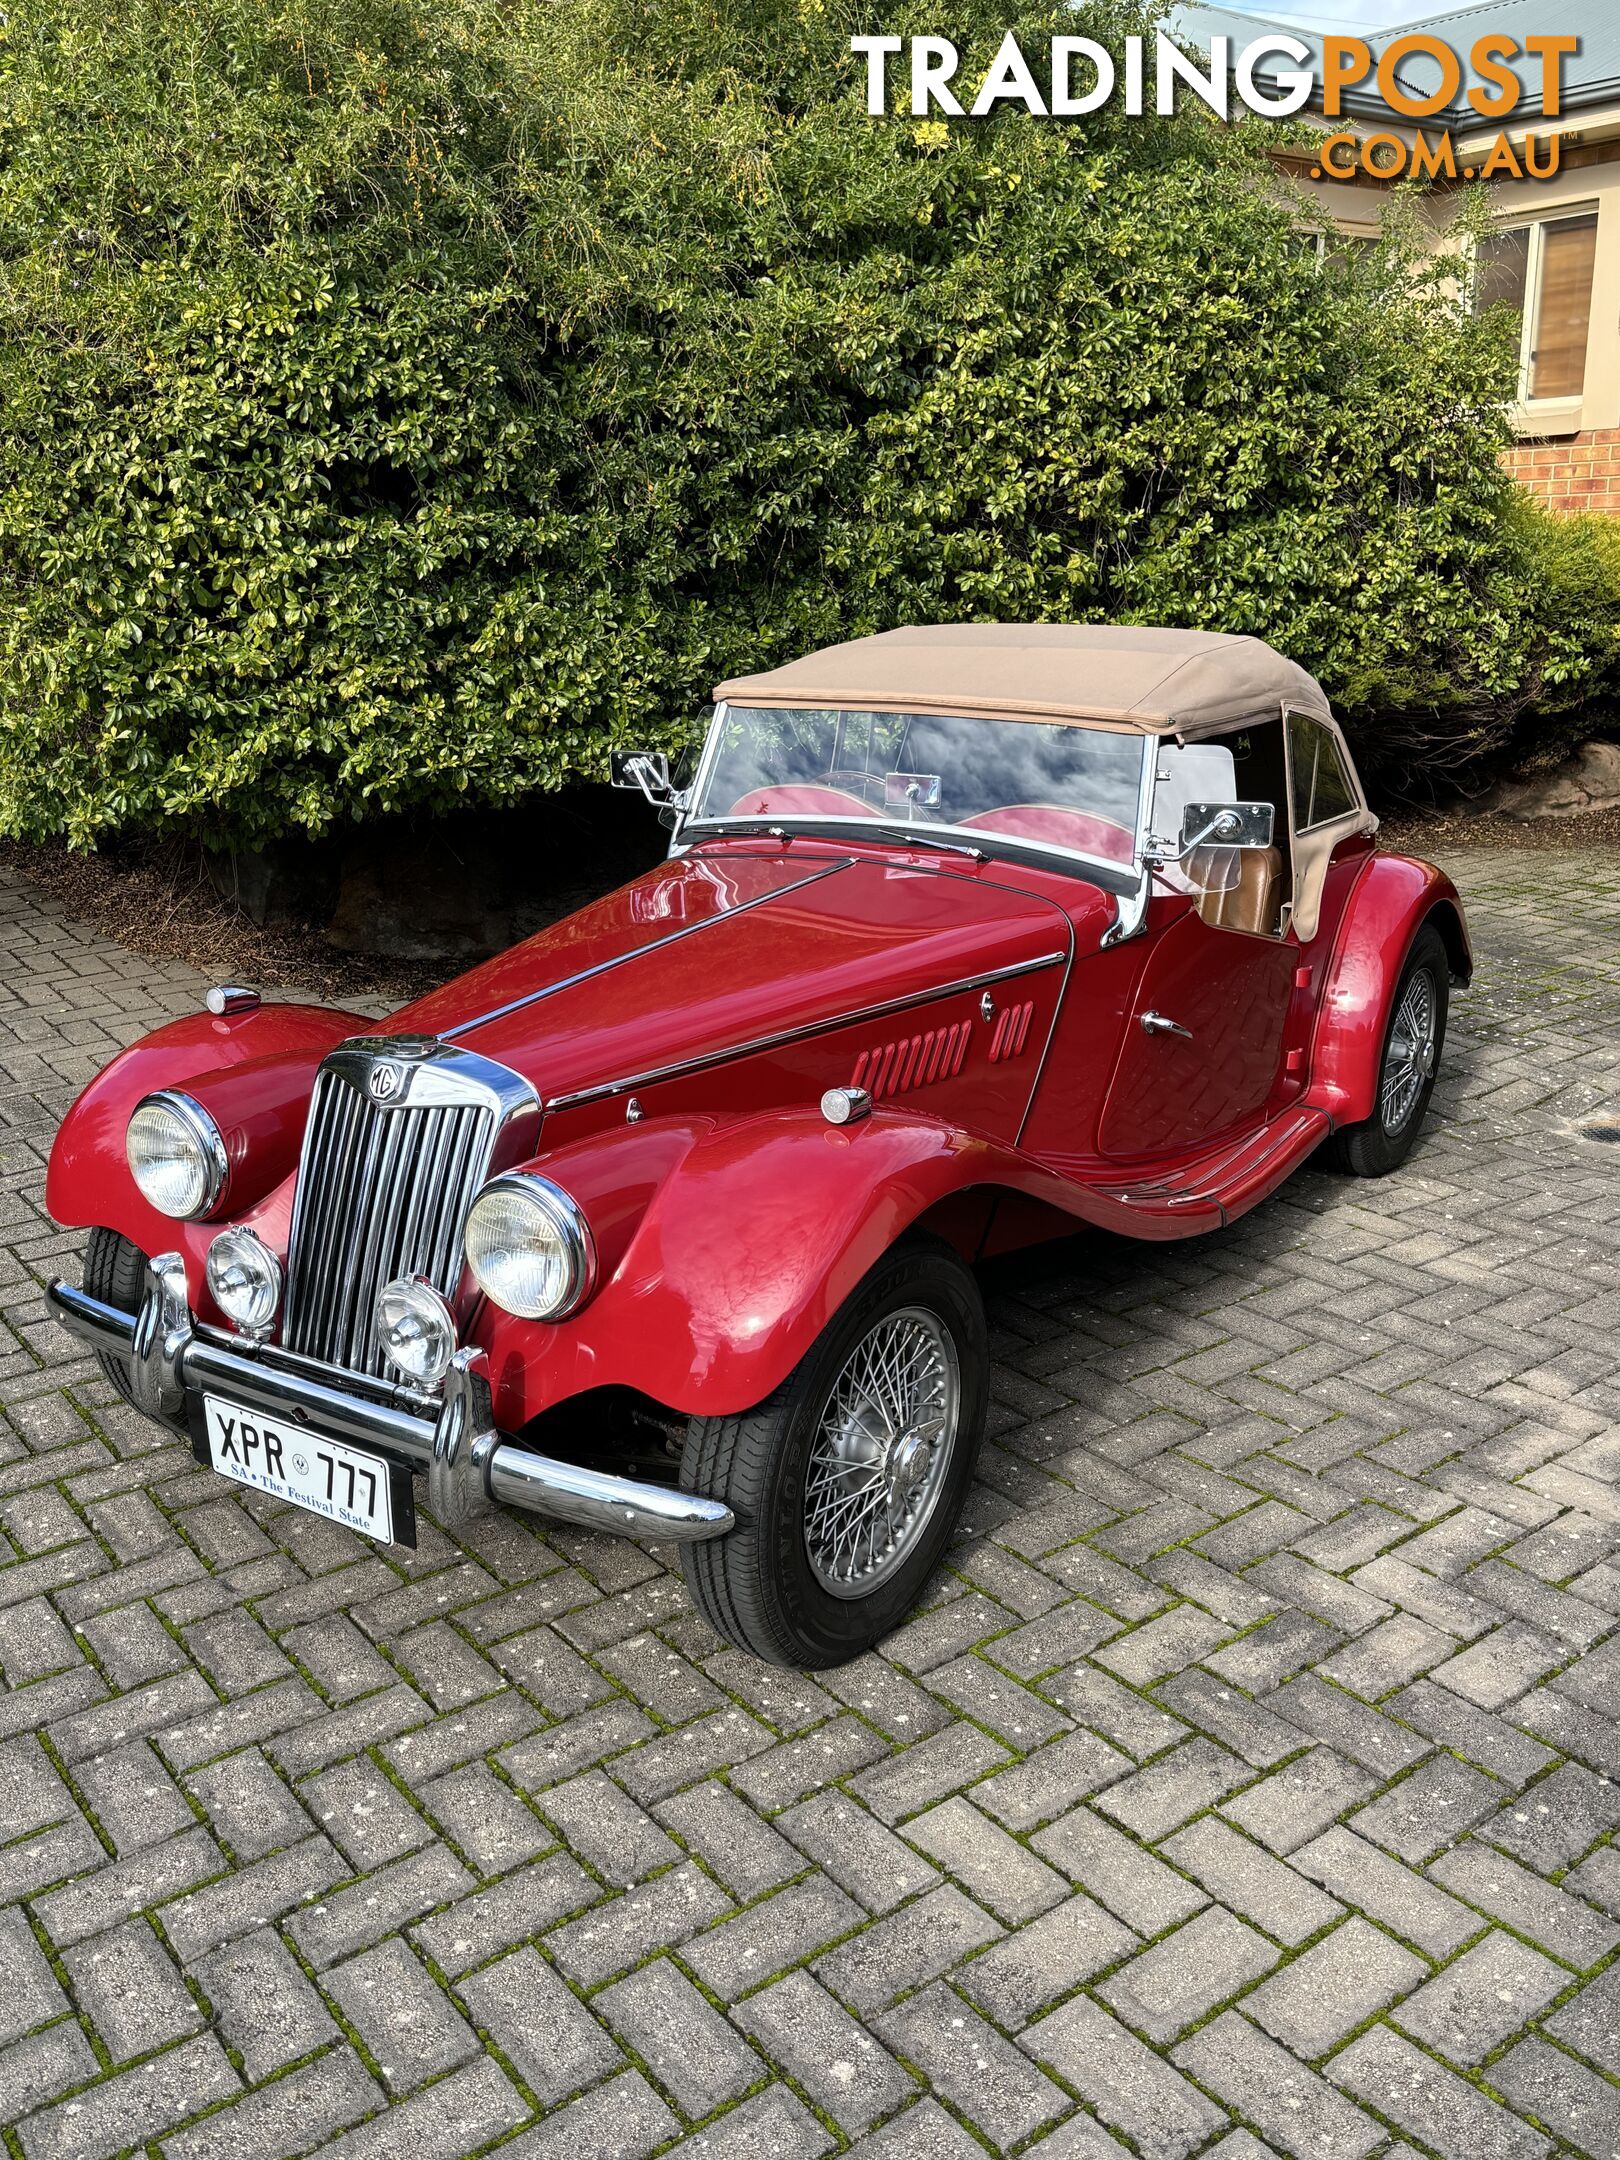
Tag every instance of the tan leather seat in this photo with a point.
(1250, 903)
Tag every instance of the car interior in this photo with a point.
(902, 768)
(905, 767)
(1241, 889)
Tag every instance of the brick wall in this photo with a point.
(1572, 473)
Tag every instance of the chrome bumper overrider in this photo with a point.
(452, 1439)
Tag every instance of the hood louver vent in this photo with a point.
(1012, 1031)
(913, 1061)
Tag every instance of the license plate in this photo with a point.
(329, 1477)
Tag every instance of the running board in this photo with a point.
(1210, 1191)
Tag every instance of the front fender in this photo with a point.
(251, 1071)
(725, 1249)
(1390, 902)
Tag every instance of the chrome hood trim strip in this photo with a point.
(637, 952)
(776, 1041)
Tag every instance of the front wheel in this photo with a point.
(1413, 1041)
(848, 1481)
(115, 1272)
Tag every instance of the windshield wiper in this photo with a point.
(911, 835)
(919, 836)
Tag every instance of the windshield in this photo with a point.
(1074, 789)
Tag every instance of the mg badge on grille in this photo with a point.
(385, 1082)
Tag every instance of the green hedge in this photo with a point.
(404, 403)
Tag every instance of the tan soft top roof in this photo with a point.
(1161, 682)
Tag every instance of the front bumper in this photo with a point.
(451, 1438)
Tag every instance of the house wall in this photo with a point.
(1568, 455)
(1568, 452)
(1570, 474)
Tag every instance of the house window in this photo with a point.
(1544, 270)
(1338, 243)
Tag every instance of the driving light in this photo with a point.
(414, 1329)
(176, 1155)
(530, 1248)
(245, 1278)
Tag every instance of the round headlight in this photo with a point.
(176, 1155)
(414, 1329)
(530, 1248)
(245, 1278)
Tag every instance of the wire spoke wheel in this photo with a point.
(1410, 1058)
(846, 1480)
(881, 1452)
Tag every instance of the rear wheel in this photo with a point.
(115, 1272)
(1413, 1042)
(848, 1481)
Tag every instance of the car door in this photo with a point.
(1204, 1036)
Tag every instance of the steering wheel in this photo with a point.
(869, 786)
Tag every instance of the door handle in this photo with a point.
(1156, 1024)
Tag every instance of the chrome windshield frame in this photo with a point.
(890, 830)
(1132, 915)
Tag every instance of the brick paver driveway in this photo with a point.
(1251, 1785)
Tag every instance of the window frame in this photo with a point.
(1114, 877)
(1282, 827)
(1322, 242)
(1313, 846)
(1353, 803)
(1533, 224)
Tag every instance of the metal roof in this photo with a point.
(1590, 76)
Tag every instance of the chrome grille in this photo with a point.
(384, 1187)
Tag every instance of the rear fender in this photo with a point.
(1391, 901)
(724, 1250)
(252, 1072)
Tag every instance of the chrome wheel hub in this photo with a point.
(1409, 1061)
(881, 1452)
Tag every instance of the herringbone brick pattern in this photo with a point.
(1249, 1786)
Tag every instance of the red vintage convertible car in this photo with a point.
(967, 937)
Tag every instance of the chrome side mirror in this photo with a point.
(648, 771)
(1231, 824)
(910, 791)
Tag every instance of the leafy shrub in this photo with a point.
(403, 404)
(1573, 564)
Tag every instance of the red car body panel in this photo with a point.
(1391, 899)
(750, 1234)
(252, 1071)
(1230, 992)
(979, 1002)
(843, 933)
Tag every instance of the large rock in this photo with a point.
(1590, 780)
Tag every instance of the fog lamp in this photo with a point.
(414, 1329)
(244, 1276)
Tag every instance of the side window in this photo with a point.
(1322, 787)
(1254, 902)
(1241, 889)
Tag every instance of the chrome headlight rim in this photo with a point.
(430, 1302)
(237, 1235)
(200, 1128)
(566, 1218)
